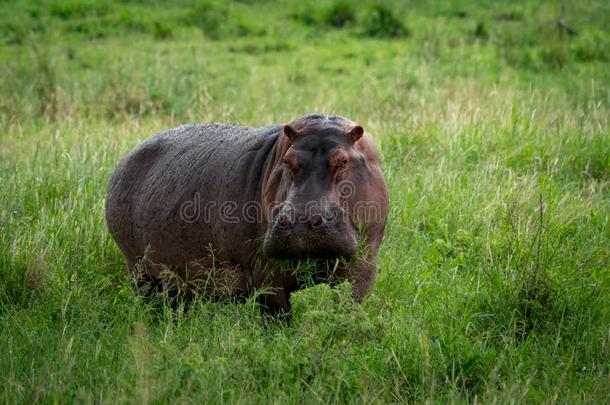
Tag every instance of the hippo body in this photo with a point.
(212, 207)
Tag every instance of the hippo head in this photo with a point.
(312, 186)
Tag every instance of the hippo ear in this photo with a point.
(290, 132)
(356, 132)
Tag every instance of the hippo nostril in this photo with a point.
(332, 215)
(316, 220)
(283, 220)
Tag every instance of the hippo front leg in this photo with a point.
(361, 273)
(275, 299)
(275, 303)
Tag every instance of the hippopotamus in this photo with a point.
(228, 210)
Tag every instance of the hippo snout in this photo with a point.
(310, 233)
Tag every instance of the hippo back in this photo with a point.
(165, 197)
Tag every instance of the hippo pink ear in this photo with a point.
(290, 132)
(356, 133)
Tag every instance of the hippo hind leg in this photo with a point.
(150, 288)
(147, 285)
(144, 284)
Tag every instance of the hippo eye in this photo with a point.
(338, 162)
(292, 163)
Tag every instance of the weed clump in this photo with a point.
(331, 313)
(67, 10)
(339, 14)
(209, 17)
(480, 31)
(590, 47)
(162, 31)
(381, 22)
(217, 21)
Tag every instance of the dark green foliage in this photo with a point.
(381, 22)
(480, 31)
(161, 31)
(336, 14)
(340, 13)
(210, 17)
(591, 46)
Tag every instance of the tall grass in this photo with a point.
(494, 273)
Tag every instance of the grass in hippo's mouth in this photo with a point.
(310, 271)
(492, 121)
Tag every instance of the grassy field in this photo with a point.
(492, 119)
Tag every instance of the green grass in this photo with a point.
(492, 122)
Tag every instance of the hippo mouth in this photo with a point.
(281, 245)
